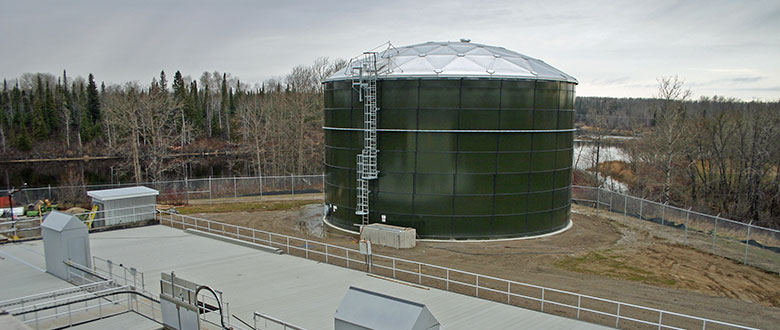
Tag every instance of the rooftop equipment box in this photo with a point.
(363, 309)
(123, 205)
(65, 238)
(392, 236)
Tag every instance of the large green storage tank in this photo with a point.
(475, 142)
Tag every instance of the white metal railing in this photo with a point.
(452, 279)
(285, 325)
(34, 314)
(138, 300)
(28, 227)
(129, 275)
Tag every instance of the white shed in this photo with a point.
(123, 205)
(65, 237)
(363, 309)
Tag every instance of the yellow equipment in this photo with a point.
(92, 216)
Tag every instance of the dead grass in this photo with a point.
(274, 205)
(608, 263)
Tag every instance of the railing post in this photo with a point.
(617, 317)
(448, 276)
(326, 254)
(477, 286)
(579, 305)
(660, 319)
(542, 299)
(394, 268)
(288, 252)
(508, 292)
(419, 273)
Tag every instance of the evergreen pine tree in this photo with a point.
(93, 101)
(23, 140)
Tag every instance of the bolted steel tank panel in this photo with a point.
(459, 157)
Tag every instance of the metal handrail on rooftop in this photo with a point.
(308, 251)
(285, 325)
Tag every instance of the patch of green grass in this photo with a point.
(246, 207)
(604, 264)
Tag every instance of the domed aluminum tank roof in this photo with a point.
(455, 60)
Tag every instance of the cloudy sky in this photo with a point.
(614, 48)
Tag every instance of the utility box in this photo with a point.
(65, 238)
(363, 309)
(123, 205)
(392, 236)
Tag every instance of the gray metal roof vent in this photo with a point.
(65, 238)
(465, 40)
(363, 309)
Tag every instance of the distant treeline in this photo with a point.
(716, 154)
(628, 114)
(278, 123)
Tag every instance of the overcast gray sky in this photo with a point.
(614, 48)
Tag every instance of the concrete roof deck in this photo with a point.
(303, 292)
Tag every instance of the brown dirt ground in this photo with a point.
(597, 257)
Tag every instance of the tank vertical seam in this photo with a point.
(555, 157)
(457, 148)
(416, 148)
(495, 166)
(530, 161)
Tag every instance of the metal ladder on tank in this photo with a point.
(364, 77)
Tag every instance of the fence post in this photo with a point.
(292, 185)
(747, 241)
(598, 199)
(235, 190)
(261, 185)
(611, 194)
(50, 193)
(715, 233)
(663, 216)
(186, 191)
(687, 219)
(209, 187)
(641, 205)
(625, 208)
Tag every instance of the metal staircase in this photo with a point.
(364, 77)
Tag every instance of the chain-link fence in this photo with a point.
(742, 242)
(182, 191)
(746, 243)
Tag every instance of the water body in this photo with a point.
(73, 173)
(585, 156)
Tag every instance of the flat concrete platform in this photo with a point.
(23, 271)
(303, 292)
(300, 291)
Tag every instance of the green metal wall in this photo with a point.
(456, 185)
